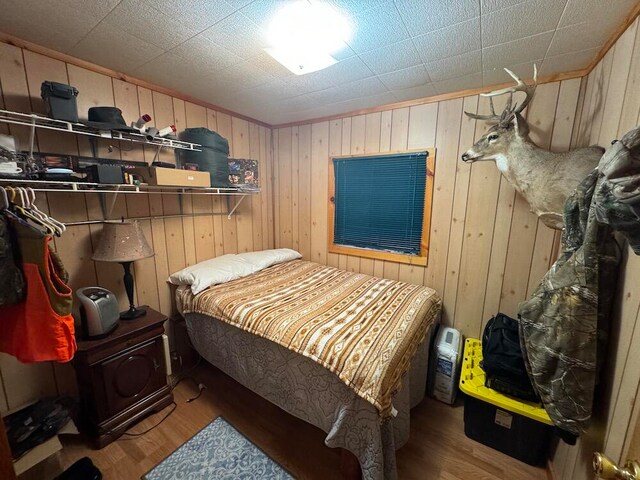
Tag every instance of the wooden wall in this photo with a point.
(611, 108)
(486, 252)
(177, 242)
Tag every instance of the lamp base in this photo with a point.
(133, 313)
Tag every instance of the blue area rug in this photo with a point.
(218, 451)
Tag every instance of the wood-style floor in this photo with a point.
(437, 449)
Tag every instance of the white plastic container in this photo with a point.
(445, 365)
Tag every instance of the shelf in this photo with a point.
(86, 187)
(36, 121)
(52, 186)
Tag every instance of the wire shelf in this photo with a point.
(36, 121)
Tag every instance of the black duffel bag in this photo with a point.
(502, 359)
(213, 157)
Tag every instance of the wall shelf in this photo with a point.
(52, 186)
(36, 121)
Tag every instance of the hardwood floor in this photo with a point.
(438, 448)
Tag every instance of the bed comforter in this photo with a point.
(363, 329)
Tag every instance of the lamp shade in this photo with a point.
(122, 242)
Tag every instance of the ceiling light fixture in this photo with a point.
(303, 36)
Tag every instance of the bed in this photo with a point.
(345, 352)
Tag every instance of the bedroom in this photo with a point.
(404, 74)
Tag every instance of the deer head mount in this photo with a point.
(545, 179)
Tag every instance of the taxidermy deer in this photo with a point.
(545, 179)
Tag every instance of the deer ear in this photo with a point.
(520, 125)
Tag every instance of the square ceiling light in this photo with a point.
(304, 36)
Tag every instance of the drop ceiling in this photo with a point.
(399, 50)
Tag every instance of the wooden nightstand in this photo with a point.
(121, 378)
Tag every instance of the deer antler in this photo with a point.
(509, 110)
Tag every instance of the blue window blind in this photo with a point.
(379, 201)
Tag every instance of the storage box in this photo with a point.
(60, 101)
(445, 361)
(518, 428)
(172, 177)
(243, 173)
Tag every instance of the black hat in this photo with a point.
(108, 118)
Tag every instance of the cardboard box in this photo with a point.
(172, 177)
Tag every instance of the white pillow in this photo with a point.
(212, 272)
(266, 258)
(229, 267)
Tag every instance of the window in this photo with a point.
(380, 205)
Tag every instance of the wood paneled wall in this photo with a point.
(486, 252)
(610, 108)
(177, 242)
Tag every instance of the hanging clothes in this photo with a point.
(618, 195)
(41, 327)
(564, 325)
(12, 289)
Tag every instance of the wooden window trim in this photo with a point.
(421, 259)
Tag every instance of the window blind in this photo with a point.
(379, 201)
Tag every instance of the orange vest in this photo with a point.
(41, 327)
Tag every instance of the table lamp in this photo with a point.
(123, 242)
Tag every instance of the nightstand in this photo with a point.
(121, 378)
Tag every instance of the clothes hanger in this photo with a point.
(30, 196)
(25, 213)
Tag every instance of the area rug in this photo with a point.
(218, 451)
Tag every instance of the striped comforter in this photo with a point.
(362, 328)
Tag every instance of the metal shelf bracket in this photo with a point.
(235, 207)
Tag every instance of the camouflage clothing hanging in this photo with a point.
(11, 280)
(564, 325)
(618, 196)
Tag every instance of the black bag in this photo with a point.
(213, 157)
(502, 360)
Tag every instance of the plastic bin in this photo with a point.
(521, 429)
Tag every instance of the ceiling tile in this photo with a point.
(354, 7)
(517, 51)
(52, 24)
(360, 88)
(392, 57)
(348, 70)
(312, 82)
(142, 20)
(579, 36)
(202, 54)
(493, 5)
(452, 67)
(406, 78)
(461, 83)
(422, 91)
(567, 61)
(119, 56)
(496, 76)
(274, 90)
(166, 66)
(197, 14)
(427, 15)
(602, 11)
(454, 40)
(522, 20)
(97, 10)
(237, 34)
(376, 28)
(261, 12)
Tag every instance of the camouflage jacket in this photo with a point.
(563, 326)
(618, 195)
